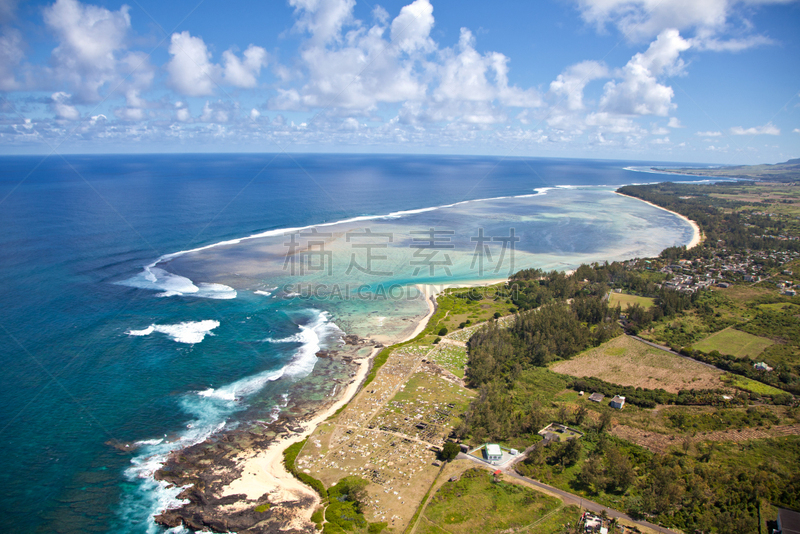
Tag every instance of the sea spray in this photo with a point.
(212, 410)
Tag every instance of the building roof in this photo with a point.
(789, 521)
(596, 397)
(618, 398)
(493, 449)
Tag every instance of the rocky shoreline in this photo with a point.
(204, 470)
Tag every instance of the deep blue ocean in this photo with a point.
(87, 360)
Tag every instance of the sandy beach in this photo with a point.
(698, 235)
(263, 471)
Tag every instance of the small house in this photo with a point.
(596, 397)
(762, 366)
(493, 452)
(617, 402)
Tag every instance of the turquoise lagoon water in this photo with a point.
(155, 300)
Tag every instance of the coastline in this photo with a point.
(698, 236)
(255, 474)
(264, 472)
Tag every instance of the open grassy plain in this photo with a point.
(628, 362)
(625, 300)
(734, 342)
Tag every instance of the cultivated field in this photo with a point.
(734, 342)
(629, 362)
(753, 386)
(624, 300)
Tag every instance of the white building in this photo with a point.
(493, 452)
(617, 402)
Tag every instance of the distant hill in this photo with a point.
(786, 172)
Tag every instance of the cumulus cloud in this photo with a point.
(190, 70)
(193, 73)
(349, 67)
(244, 72)
(709, 134)
(570, 84)
(642, 19)
(60, 104)
(412, 28)
(674, 122)
(362, 69)
(92, 50)
(767, 129)
(323, 19)
(639, 92)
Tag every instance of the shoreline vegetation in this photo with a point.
(258, 480)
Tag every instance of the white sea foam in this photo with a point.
(210, 410)
(189, 332)
(318, 332)
(153, 277)
(260, 292)
(172, 285)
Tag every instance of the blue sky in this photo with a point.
(714, 81)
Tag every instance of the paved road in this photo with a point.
(569, 498)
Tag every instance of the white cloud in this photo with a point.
(244, 73)
(91, 54)
(219, 112)
(767, 129)
(353, 68)
(323, 19)
(610, 123)
(59, 103)
(358, 70)
(709, 134)
(412, 28)
(639, 92)
(570, 84)
(796, 130)
(642, 19)
(674, 122)
(191, 71)
(660, 131)
(130, 114)
(731, 45)
(465, 76)
(254, 114)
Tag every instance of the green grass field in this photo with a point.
(734, 342)
(461, 507)
(624, 300)
(750, 385)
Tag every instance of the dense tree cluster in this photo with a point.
(723, 227)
